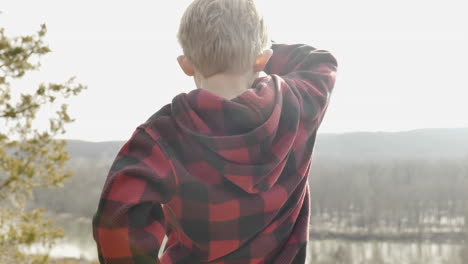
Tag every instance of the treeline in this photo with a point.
(413, 199)
(80, 194)
(375, 198)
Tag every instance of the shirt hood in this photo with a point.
(241, 131)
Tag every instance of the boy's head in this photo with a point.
(223, 36)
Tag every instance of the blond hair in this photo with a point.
(222, 36)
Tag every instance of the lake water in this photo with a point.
(79, 244)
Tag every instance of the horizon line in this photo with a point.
(319, 133)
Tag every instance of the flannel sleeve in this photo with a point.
(310, 73)
(128, 226)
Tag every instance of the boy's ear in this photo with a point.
(186, 65)
(262, 60)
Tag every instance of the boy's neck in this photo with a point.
(227, 86)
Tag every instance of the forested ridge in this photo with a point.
(390, 186)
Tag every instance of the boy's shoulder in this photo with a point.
(166, 110)
(166, 113)
(161, 125)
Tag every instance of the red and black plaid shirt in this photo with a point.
(224, 180)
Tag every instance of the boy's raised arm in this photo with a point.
(310, 72)
(290, 58)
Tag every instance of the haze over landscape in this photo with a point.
(393, 197)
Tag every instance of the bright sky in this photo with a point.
(402, 64)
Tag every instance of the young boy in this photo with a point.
(221, 170)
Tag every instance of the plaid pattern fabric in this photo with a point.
(224, 180)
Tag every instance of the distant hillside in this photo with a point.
(414, 182)
(93, 150)
(359, 146)
(416, 144)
